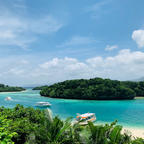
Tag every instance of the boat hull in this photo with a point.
(86, 122)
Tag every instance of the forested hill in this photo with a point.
(94, 89)
(6, 88)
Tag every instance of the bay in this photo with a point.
(129, 113)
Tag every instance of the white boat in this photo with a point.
(8, 99)
(83, 119)
(43, 104)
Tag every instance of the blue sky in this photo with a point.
(53, 40)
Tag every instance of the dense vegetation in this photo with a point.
(39, 87)
(22, 125)
(137, 87)
(23, 121)
(93, 89)
(5, 134)
(6, 88)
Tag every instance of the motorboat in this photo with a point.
(83, 119)
(43, 104)
(8, 99)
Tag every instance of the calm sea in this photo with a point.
(128, 113)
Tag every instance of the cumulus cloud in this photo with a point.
(138, 37)
(110, 48)
(126, 65)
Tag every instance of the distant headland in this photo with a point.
(6, 88)
(39, 87)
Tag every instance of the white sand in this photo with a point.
(135, 132)
(12, 92)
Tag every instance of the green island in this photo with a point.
(6, 88)
(94, 89)
(22, 125)
(39, 87)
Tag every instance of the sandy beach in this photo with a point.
(135, 132)
(139, 98)
(13, 92)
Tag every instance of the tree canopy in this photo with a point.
(94, 89)
(6, 88)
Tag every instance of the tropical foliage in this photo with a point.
(137, 87)
(5, 134)
(6, 88)
(24, 120)
(93, 89)
(22, 125)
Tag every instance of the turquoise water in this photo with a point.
(128, 113)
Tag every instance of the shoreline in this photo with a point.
(13, 92)
(132, 131)
(135, 132)
(88, 99)
(139, 97)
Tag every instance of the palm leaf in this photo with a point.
(67, 125)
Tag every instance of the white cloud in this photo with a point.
(126, 65)
(47, 25)
(78, 40)
(16, 71)
(67, 64)
(110, 48)
(24, 62)
(98, 8)
(17, 29)
(138, 37)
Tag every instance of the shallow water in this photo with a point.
(128, 113)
